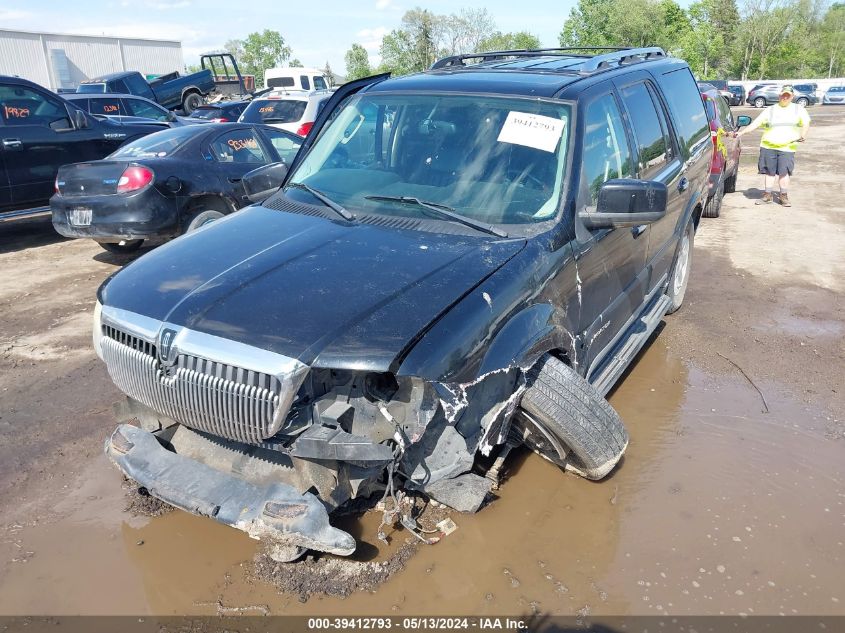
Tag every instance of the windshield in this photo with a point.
(91, 88)
(493, 159)
(156, 145)
(274, 111)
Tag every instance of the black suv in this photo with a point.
(458, 262)
(39, 132)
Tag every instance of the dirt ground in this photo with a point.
(730, 498)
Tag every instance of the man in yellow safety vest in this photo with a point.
(785, 125)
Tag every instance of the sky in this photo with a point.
(317, 32)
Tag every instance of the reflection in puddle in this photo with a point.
(716, 508)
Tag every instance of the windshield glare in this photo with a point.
(494, 159)
(157, 145)
(274, 111)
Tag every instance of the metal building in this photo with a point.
(57, 60)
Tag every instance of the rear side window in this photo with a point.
(23, 106)
(206, 113)
(274, 111)
(303, 81)
(606, 154)
(652, 147)
(686, 106)
(119, 87)
(238, 146)
(287, 145)
(157, 145)
(280, 82)
(725, 116)
(319, 83)
(106, 106)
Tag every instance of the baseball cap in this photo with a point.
(787, 90)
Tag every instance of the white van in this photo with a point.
(290, 79)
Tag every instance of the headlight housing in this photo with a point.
(97, 329)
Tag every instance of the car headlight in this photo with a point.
(97, 330)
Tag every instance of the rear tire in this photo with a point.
(560, 403)
(713, 207)
(191, 102)
(122, 248)
(759, 102)
(803, 102)
(680, 273)
(730, 183)
(199, 219)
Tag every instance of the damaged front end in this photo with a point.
(261, 443)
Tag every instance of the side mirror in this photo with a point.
(261, 183)
(627, 202)
(80, 121)
(742, 120)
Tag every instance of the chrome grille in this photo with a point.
(206, 395)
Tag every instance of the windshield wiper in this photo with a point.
(331, 204)
(443, 212)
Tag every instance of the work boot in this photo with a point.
(784, 199)
(766, 199)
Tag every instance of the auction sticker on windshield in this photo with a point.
(532, 130)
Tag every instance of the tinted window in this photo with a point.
(606, 154)
(651, 143)
(837, 89)
(91, 88)
(106, 106)
(207, 113)
(280, 82)
(23, 106)
(157, 145)
(303, 81)
(119, 87)
(287, 145)
(319, 83)
(274, 111)
(725, 116)
(146, 110)
(138, 85)
(687, 109)
(238, 146)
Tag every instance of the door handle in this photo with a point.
(683, 184)
(636, 231)
(12, 144)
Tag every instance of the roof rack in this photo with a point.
(591, 62)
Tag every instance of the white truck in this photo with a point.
(296, 79)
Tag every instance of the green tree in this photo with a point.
(499, 41)
(295, 63)
(464, 32)
(588, 24)
(357, 63)
(327, 71)
(397, 53)
(261, 51)
(832, 41)
(703, 45)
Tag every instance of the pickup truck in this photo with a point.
(40, 132)
(172, 90)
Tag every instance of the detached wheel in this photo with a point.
(680, 273)
(123, 247)
(563, 412)
(759, 102)
(730, 183)
(191, 102)
(199, 219)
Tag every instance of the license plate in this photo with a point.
(80, 216)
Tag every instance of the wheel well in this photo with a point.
(208, 203)
(189, 91)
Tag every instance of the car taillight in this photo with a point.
(133, 178)
(56, 185)
(305, 128)
(221, 119)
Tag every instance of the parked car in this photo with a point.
(834, 95)
(719, 85)
(737, 94)
(140, 110)
(763, 95)
(225, 111)
(727, 148)
(164, 184)
(291, 111)
(39, 132)
(290, 79)
(459, 261)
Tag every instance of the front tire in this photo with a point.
(714, 205)
(759, 102)
(561, 404)
(123, 247)
(681, 271)
(803, 102)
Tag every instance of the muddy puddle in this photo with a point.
(718, 507)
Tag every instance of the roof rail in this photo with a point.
(592, 62)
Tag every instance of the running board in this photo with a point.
(629, 345)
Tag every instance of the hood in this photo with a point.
(323, 292)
